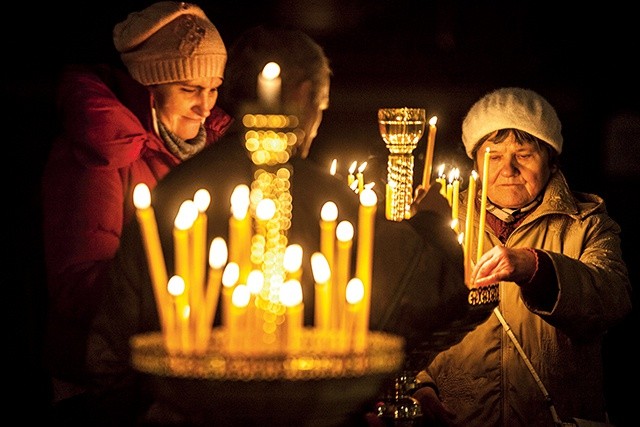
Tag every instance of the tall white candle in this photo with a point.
(269, 86)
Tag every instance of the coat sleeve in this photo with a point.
(594, 287)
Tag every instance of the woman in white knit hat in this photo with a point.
(556, 256)
(118, 128)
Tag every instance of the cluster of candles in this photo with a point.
(187, 302)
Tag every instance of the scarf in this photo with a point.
(504, 220)
(181, 148)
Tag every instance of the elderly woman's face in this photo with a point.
(517, 172)
(182, 107)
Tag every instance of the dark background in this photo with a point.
(439, 55)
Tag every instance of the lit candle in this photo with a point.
(240, 230)
(364, 256)
(334, 167)
(351, 177)
(442, 180)
(321, 275)
(291, 298)
(182, 225)
(201, 200)
(217, 259)
(428, 159)
(455, 198)
(292, 262)
(269, 86)
(153, 250)
(230, 276)
(483, 203)
(177, 288)
(360, 177)
(344, 235)
(355, 331)
(238, 317)
(468, 225)
(328, 218)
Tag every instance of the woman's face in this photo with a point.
(517, 172)
(182, 107)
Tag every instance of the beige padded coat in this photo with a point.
(483, 378)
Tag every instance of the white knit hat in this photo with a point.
(512, 108)
(170, 42)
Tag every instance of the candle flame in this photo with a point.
(240, 201)
(255, 281)
(266, 209)
(230, 274)
(291, 293)
(441, 170)
(271, 71)
(176, 285)
(354, 291)
(362, 167)
(329, 211)
(240, 296)
(218, 253)
(292, 258)
(344, 231)
(368, 197)
(334, 167)
(202, 198)
(433, 120)
(141, 196)
(186, 215)
(320, 267)
(353, 166)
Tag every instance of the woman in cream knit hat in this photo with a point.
(555, 255)
(118, 128)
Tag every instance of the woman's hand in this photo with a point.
(434, 412)
(500, 263)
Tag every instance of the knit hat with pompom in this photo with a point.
(512, 108)
(170, 42)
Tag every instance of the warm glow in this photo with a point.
(202, 198)
(320, 268)
(368, 197)
(362, 167)
(241, 296)
(334, 167)
(433, 120)
(329, 211)
(441, 170)
(240, 201)
(255, 281)
(175, 286)
(266, 209)
(291, 293)
(292, 258)
(141, 196)
(271, 71)
(344, 231)
(230, 275)
(218, 253)
(353, 166)
(186, 215)
(355, 291)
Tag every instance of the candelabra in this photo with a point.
(401, 129)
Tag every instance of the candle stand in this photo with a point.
(401, 129)
(314, 386)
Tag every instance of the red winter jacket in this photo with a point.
(106, 145)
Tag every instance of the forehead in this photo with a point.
(203, 82)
